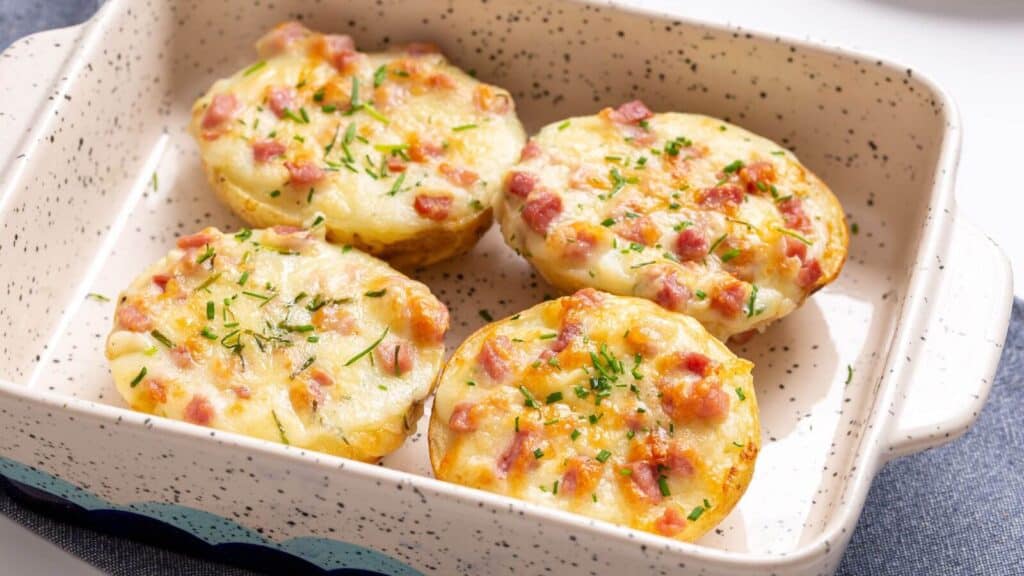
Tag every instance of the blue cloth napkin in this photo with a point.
(958, 509)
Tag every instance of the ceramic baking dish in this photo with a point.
(100, 177)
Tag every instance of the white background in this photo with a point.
(973, 48)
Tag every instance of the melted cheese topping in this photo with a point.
(696, 214)
(402, 152)
(277, 334)
(607, 406)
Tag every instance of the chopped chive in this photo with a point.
(470, 383)
(159, 337)
(849, 374)
(741, 394)
(733, 167)
(242, 279)
(717, 242)
(554, 487)
(574, 434)
(548, 336)
(553, 397)
(397, 185)
(369, 348)
(287, 113)
(275, 193)
(298, 327)
(376, 293)
(309, 362)
(737, 444)
(138, 377)
(243, 235)
(603, 456)
(701, 294)
(663, 485)
(854, 228)
(564, 125)
(751, 300)
(485, 314)
(207, 333)
(463, 127)
(608, 222)
(796, 235)
(538, 453)
(517, 424)
(695, 514)
(374, 113)
(530, 401)
(97, 297)
(210, 310)
(280, 428)
(730, 254)
(254, 67)
(354, 94)
(206, 255)
(313, 339)
(778, 153)
(257, 295)
(380, 75)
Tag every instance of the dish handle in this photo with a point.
(954, 359)
(30, 70)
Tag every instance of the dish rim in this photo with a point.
(911, 315)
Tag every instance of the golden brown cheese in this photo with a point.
(401, 151)
(603, 405)
(689, 211)
(279, 335)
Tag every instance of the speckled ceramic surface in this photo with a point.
(100, 177)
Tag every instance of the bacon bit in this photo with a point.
(199, 410)
(494, 356)
(566, 334)
(280, 38)
(809, 274)
(585, 298)
(792, 211)
(643, 478)
(513, 455)
(161, 281)
(132, 317)
(156, 391)
(672, 294)
(394, 356)
(691, 244)
(577, 243)
(303, 173)
(458, 176)
(705, 401)
(279, 99)
(287, 229)
(264, 150)
(530, 151)
(389, 96)
(396, 164)
(338, 49)
(421, 48)
(729, 299)
(680, 461)
(727, 197)
(433, 206)
(222, 107)
(752, 174)
(581, 475)
(321, 378)
(462, 418)
(242, 391)
(441, 81)
(670, 523)
(429, 319)
(334, 319)
(631, 112)
(792, 247)
(488, 99)
(181, 357)
(424, 151)
(694, 362)
(540, 210)
(641, 230)
(197, 240)
(520, 184)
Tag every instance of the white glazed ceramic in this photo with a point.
(91, 113)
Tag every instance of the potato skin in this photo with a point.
(696, 214)
(690, 417)
(263, 333)
(401, 152)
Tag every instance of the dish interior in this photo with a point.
(115, 178)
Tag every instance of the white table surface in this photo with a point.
(973, 48)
